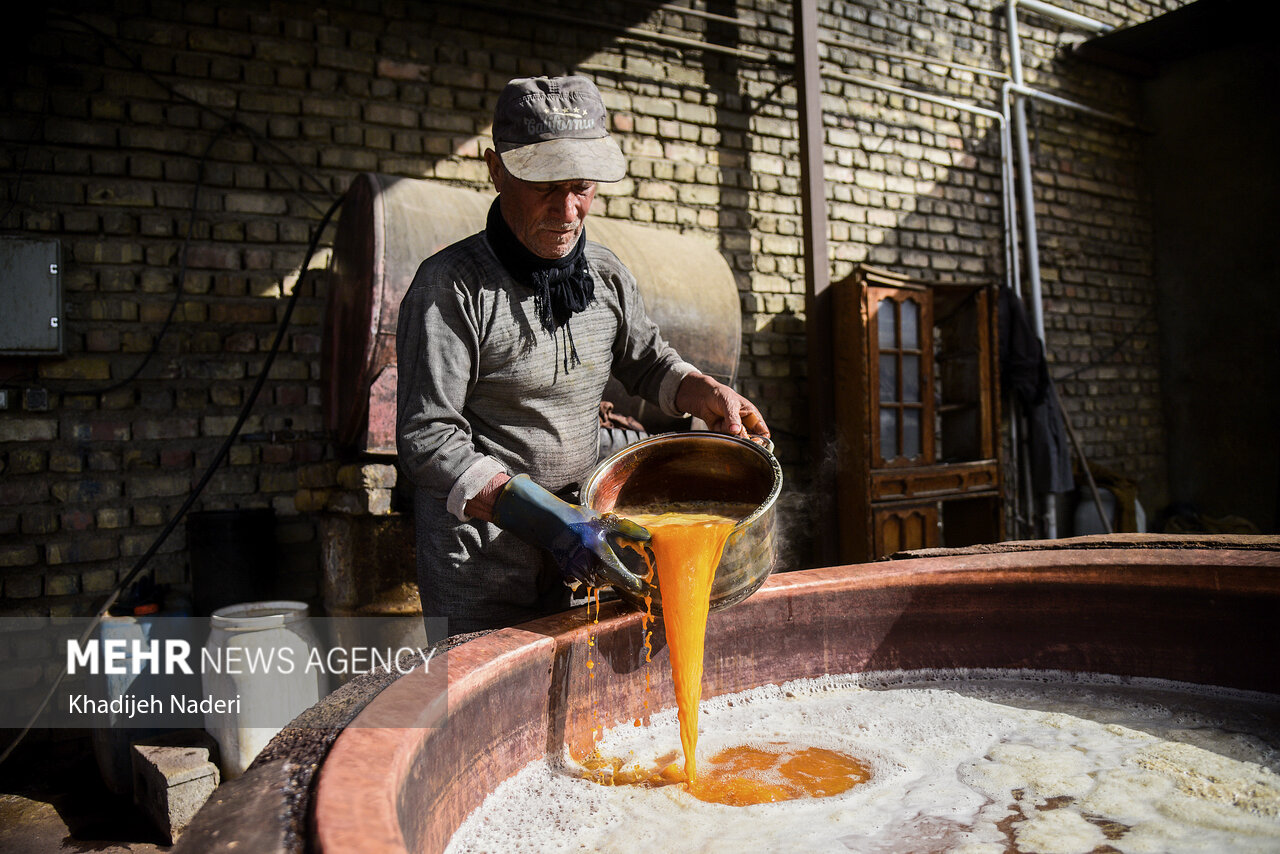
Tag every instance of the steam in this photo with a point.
(801, 508)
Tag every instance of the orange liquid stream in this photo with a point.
(686, 551)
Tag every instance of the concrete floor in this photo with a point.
(53, 800)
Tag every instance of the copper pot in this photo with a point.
(675, 468)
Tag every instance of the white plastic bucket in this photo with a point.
(259, 700)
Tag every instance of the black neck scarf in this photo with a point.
(561, 286)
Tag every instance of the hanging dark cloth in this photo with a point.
(1024, 375)
(561, 286)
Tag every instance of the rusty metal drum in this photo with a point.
(677, 468)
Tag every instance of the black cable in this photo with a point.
(22, 170)
(217, 460)
(228, 123)
(17, 186)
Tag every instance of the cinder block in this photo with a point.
(173, 775)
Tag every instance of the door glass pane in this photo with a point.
(888, 432)
(886, 317)
(888, 377)
(910, 325)
(910, 378)
(911, 433)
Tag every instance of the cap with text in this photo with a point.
(556, 129)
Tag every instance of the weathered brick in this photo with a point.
(225, 395)
(158, 485)
(233, 482)
(373, 502)
(66, 461)
(220, 41)
(103, 430)
(85, 489)
(345, 158)
(19, 554)
(61, 131)
(166, 428)
(130, 193)
(98, 580)
(244, 312)
(77, 520)
(82, 551)
(13, 429)
(368, 476)
(402, 70)
(278, 481)
(102, 340)
(113, 517)
(23, 586)
(390, 114)
(22, 492)
(77, 368)
(133, 545)
(318, 476)
(213, 257)
(176, 458)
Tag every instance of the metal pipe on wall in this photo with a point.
(1012, 277)
(1058, 100)
(1012, 115)
(1001, 120)
(633, 32)
(1065, 16)
(914, 57)
(1016, 87)
(817, 264)
(1024, 169)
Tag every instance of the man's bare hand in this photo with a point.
(724, 410)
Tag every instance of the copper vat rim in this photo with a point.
(355, 806)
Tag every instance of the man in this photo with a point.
(505, 342)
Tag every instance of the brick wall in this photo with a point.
(111, 121)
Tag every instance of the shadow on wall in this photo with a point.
(914, 193)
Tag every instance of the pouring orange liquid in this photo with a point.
(686, 549)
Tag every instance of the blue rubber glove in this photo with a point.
(577, 537)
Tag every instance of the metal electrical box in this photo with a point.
(30, 297)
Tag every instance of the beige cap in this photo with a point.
(556, 129)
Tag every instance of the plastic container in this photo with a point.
(259, 653)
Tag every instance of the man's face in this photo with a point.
(546, 217)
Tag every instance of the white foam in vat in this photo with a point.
(972, 762)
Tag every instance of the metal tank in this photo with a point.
(388, 225)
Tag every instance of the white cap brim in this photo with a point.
(567, 160)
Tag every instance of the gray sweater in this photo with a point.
(483, 389)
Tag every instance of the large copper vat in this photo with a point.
(389, 225)
(419, 758)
